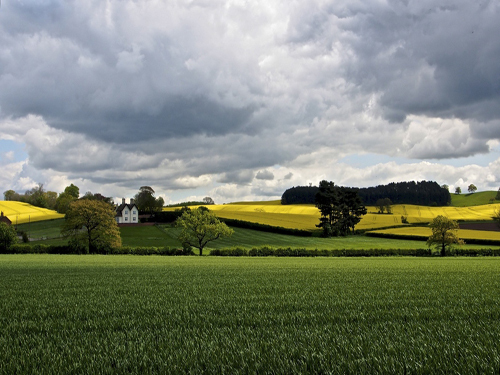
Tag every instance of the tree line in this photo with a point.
(42, 198)
(425, 193)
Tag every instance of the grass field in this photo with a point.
(166, 236)
(474, 199)
(20, 213)
(126, 314)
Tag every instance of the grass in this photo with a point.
(166, 236)
(42, 229)
(143, 236)
(125, 314)
(474, 199)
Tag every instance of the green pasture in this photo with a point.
(473, 199)
(171, 315)
(166, 236)
(46, 229)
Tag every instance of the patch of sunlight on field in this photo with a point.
(306, 216)
(20, 213)
(426, 232)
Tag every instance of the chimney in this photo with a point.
(131, 200)
(123, 200)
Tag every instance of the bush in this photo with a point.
(236, 252)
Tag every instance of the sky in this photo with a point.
(240, 100)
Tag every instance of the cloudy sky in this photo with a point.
(241, 99)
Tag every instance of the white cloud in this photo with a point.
(208, 95)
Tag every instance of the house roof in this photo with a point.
(5, 219)
(122, 206)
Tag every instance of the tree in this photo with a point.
(97, 197)
(51, 199)
(199, 227)
(497, 197)
(497, 217)
(445, 186)
(36, 196)
(92, 223)
(8, 236)
(70, 194)
(341, 209)
(208, 200)
(458, 190)
(10, 195)
(384, 205)
(472, 188)
(444, 233)
(73, 191)
(146, 201)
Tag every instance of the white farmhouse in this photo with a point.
(127, 213)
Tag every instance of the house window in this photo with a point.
(133, 219)
(126, 219)
(134, 212)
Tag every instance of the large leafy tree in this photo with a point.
(444, 233)
(341, 209)
(199, 227)
(147, 202)
(472, 188)
(8, 236)
(92, 223)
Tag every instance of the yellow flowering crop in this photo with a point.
(20, 213)
(306, 216)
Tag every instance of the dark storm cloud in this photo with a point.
(265, 175)
(176, 91)
(240, 177)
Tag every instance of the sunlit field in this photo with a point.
(307, 216)
(20, 213)
(179, 315)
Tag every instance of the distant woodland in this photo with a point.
(426, 193)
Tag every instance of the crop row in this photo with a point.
(232, 315)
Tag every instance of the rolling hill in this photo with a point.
(20, 213)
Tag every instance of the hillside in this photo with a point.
(306, 216)
(20, 213)
(474, 199)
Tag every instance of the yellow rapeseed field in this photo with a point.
(306, 217)
(20, 213)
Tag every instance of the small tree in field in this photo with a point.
(444, 233)
(472, 188)
(199, 227)
(458, 190)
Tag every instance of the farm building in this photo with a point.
(5, 219)
(127, 213)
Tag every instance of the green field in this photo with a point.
(166, 236)
(474, 199)
(128, 314)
